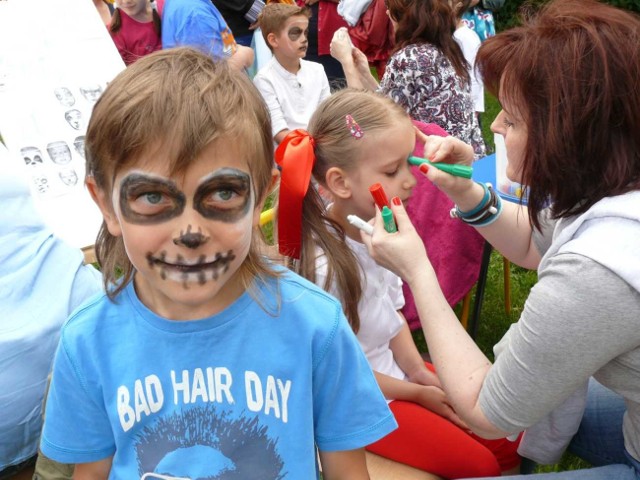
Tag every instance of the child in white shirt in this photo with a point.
(291, 87)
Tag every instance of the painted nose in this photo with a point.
(191, 239)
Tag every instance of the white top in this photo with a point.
(469, 42)
(292, 98)
(378, 308)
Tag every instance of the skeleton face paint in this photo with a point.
(187, 235)
(191, 239)
(145, 199)
(225, 195)
(183, 271)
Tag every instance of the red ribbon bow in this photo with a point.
(295, 157)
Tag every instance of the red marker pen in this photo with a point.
(377, 192)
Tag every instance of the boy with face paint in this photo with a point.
(202, 359)
(291, 86)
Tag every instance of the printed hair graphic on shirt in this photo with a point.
(203, 444)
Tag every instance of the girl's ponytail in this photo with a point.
(116, 20)
(303, 226)
(156, 18)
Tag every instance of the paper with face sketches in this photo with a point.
(56, 58)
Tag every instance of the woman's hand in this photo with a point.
(360, 61)
(341, 47)
(402, 252)
(435, 400)
(445, 149)
(449, 150)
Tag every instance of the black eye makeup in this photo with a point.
(146, 200)
(295, 32)
(224, 195)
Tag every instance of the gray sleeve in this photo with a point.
(542, 238)
(578, 317)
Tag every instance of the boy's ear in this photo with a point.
(104, 204)
(338, 182)
(272, 39)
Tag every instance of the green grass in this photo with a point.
(494, 321)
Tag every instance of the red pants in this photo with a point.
(429, 442)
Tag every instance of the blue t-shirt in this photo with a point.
(249, 391)
(198, 24)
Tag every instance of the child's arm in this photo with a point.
(409, 359)
(267, 89)
(345, 464)
(93, 471)
(354, 63)
(430, 397)
(280, 135)
(423, 386)
(242, 58)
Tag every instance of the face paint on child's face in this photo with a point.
(295, 32)
(224, 195)
(187, 235)
(180, 270)
(294, 38)
(191, 239)
(146, 199)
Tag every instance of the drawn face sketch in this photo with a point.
(59, 152)
(31, 155)
(64, 96)
(91, 92)
(68, 176)
(42, 184)
(74, 118)
(78, 144)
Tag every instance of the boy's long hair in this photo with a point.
(428, 21)
(335, 146)
(572, 71)
(116, 21)
(177, 101)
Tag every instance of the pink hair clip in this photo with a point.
(353, 127)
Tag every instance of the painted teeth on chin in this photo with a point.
(163, 273)
(201, 277)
